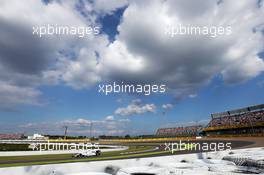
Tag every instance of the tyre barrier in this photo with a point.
(244, 161)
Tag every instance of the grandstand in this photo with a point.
(11, 136)
(187, 131)
(249, 120)
(238, 122)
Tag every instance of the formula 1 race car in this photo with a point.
(87, 153)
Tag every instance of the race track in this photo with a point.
(136, 150)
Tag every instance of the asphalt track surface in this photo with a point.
(236, 143)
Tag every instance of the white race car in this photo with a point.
(87, 153)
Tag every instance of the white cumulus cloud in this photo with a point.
(167, 106)
(134, 108)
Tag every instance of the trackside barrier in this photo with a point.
(70, 140)
(148, 139)
(236, 135)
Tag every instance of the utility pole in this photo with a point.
(91, 129)
(65, 132)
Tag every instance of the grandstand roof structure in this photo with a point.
(239, 111)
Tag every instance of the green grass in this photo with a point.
(56, 156)
(41, 159)
(14, 147)
(88, 159)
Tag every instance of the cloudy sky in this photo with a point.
(50, 82)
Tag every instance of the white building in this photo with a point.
(37, 137)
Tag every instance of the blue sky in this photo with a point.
(204, 75)
(66, 103)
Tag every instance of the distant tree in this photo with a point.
(127, 136)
